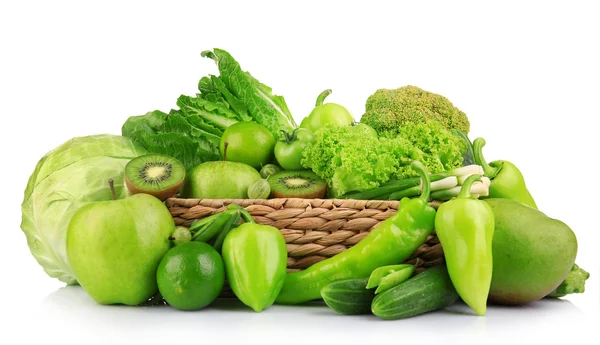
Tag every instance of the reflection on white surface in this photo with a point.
(71, 311)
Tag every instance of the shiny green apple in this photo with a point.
(220, 180)
(114, 247)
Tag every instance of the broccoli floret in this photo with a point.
(574, 283)
(387, 110)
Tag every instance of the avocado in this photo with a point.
(532, 253)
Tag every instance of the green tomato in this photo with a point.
(324, 114)
(364, 129)
(288, 150)
(249, 143)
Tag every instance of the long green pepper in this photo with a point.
(392, 242)
(465, 228)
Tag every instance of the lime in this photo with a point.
(248, 142)
(191, 276)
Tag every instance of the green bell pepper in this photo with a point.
(329, 113)
(465, 228)
(507, 182)
(391, 242)
(255, 259)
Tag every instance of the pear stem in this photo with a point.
(111, 184)
(225, 144)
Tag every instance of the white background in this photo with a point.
(527, 75)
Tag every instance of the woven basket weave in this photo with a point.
(314, 229)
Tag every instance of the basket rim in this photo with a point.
(279, 203)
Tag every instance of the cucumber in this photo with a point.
(428, 291)
(348, 296)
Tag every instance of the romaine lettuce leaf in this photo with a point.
(193, 132)
(190, 139)
(265, 108)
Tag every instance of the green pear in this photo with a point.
(114, 247)
(220, 180)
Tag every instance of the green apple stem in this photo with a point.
(225, 144)
(111, 184)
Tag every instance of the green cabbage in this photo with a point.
(73, 174)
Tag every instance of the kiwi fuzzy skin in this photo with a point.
(161, 194)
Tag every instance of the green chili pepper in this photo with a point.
(255, 259)
(465, 228)
(381, 272)
(231, 223)
(201, 224)
(507, 182)
(395, 278)
(392, 241)
(212, 229)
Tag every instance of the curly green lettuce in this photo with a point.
(351, 162)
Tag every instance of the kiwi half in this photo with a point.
(297, 184)
(155, 174)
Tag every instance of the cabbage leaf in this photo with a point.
(71, 175)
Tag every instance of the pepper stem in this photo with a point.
(246, 216)
(425, 180)
(488, 171)
(322, 97)
(111, 184)
(465, 191)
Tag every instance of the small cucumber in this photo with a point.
(428, 291)
(348, 296)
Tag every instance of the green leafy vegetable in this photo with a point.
(352, 162)
(265, 108)
(468, 155)
(193, 132)
(73, 174)
(190, 139)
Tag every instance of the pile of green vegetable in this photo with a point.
(192, 132)
(95, 208)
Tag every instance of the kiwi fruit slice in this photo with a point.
(297, 184)
(155, 174)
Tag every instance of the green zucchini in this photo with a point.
(428, 291)
(348, 296)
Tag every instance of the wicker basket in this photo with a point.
(314, 229)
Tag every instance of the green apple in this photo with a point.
(220, 180)
(114, 247)
(249, 143)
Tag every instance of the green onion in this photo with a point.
(478, 188)
(443, 184)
